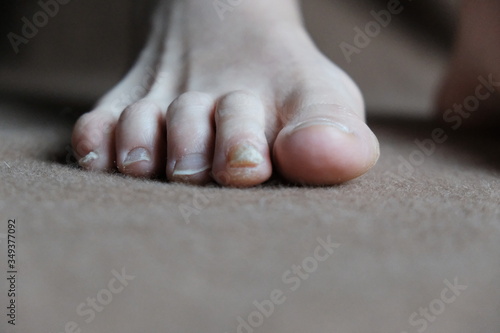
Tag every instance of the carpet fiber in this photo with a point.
(412, 249)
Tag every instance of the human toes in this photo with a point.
(190, 138)
(140, 140)
(93, 140)
(325, 144)
(242, 156)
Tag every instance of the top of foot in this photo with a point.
(231, 100)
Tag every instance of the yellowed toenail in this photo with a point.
(245, 156)
(190, 165)
(137, 155)
(324, 122)
(88, 159)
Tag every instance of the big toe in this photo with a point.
(326, 150)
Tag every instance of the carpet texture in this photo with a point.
(201, 256)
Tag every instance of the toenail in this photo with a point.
(245, 156)
(88, 159)
(137, 155)
(323, 122)
(190, 165)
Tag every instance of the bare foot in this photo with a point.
(231, 100)
(469, 95)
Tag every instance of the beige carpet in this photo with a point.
(200, 257)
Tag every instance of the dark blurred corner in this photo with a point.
(83, 47)
(69, 50)
(435, 20)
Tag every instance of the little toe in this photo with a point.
(242, 155)
(93, 140)
(140, 140)
(190, 138)
(325, 145)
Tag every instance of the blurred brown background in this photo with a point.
(88, 45)
(84, 49)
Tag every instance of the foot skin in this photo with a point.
(230, 100)
(475, 63)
